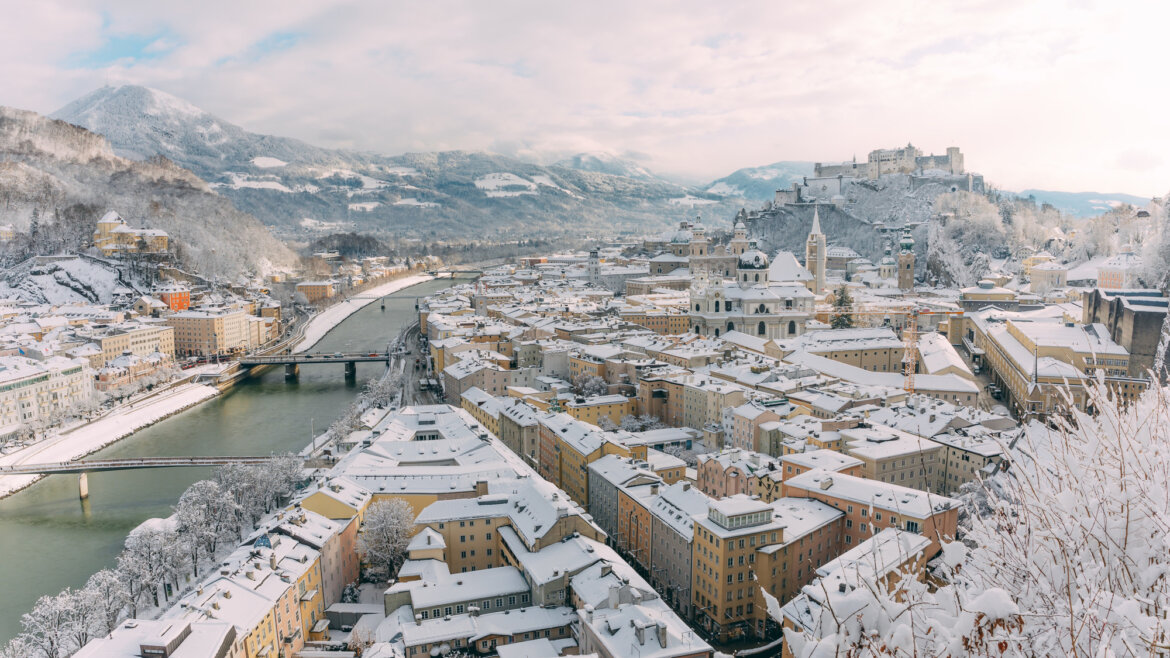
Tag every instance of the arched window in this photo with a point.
(757, 278)
(791, 328)
(716, 305)
(760, 328)
(745, 277)
(696, 307)
(731, 326)
(696, 328)
(716, 332)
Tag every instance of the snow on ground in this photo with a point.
(265, 162)
(91, 437)
(401, 171)
(239, 181)
(689, 200)
(365, 207)
(368, 183)
(66, 281)
(310, 223)
(542, 179)
(725, 189)
(504, 184)
(416, 202)
(332, 316)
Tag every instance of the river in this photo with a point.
(49, 541)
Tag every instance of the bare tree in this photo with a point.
(385, 534)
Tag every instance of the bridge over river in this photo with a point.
(84, 468)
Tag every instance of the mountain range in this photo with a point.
(298, 189)
(61, 178)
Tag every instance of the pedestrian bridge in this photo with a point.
(84, 468)
(95, 465)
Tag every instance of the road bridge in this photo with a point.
(84, 468)
(293, 362)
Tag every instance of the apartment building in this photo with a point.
(35, 390)
(744, 544)
(213, 332)
(871, 506)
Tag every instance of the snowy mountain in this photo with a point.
(760, 183)
(607, 163)
(69, 177)
(302, 191)
(1084, 204)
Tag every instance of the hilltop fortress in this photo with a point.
(908, 160)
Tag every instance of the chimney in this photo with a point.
(639, 631)
(654, 490)
(662, 634)
(588, 613)
(272, 561)
(418, 620)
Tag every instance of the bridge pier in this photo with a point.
(83, 485)
(350, 370)
(291, 370)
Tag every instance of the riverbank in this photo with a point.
(88, 438)
(85, 439)
(326, 320)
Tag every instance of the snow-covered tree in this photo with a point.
(47, 626)
(642, 423)
(206, 516)
(385, 533)
(589, 385)
(110, 598)
(1065, 555)
(842, 305)
(146, 562)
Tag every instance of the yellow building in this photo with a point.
(592, 410)
(315, 291)
(139, 340)
(1035, 361)
(212, 332)
(114, 237)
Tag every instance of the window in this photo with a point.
(760, 329)
(912, 526)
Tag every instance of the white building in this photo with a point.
(749, 304)
(34, 390)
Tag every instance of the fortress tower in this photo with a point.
(815, 254)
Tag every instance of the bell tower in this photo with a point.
(815, 253)
(906, 261)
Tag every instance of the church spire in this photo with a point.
(816, 227)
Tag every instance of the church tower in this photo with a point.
(906, 262)
(815, 253)
(594, 267)
(739, 242)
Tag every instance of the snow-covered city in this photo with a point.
(366, 330)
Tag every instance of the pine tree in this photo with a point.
(842, 303)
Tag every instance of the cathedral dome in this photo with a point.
(753, 259)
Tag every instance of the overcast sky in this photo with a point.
(1055, 95)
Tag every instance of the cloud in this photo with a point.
(1039, 94)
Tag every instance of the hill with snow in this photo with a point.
(760, 183)
(300, 190)
(1084, 204)
(607, 163)
(68, 177)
